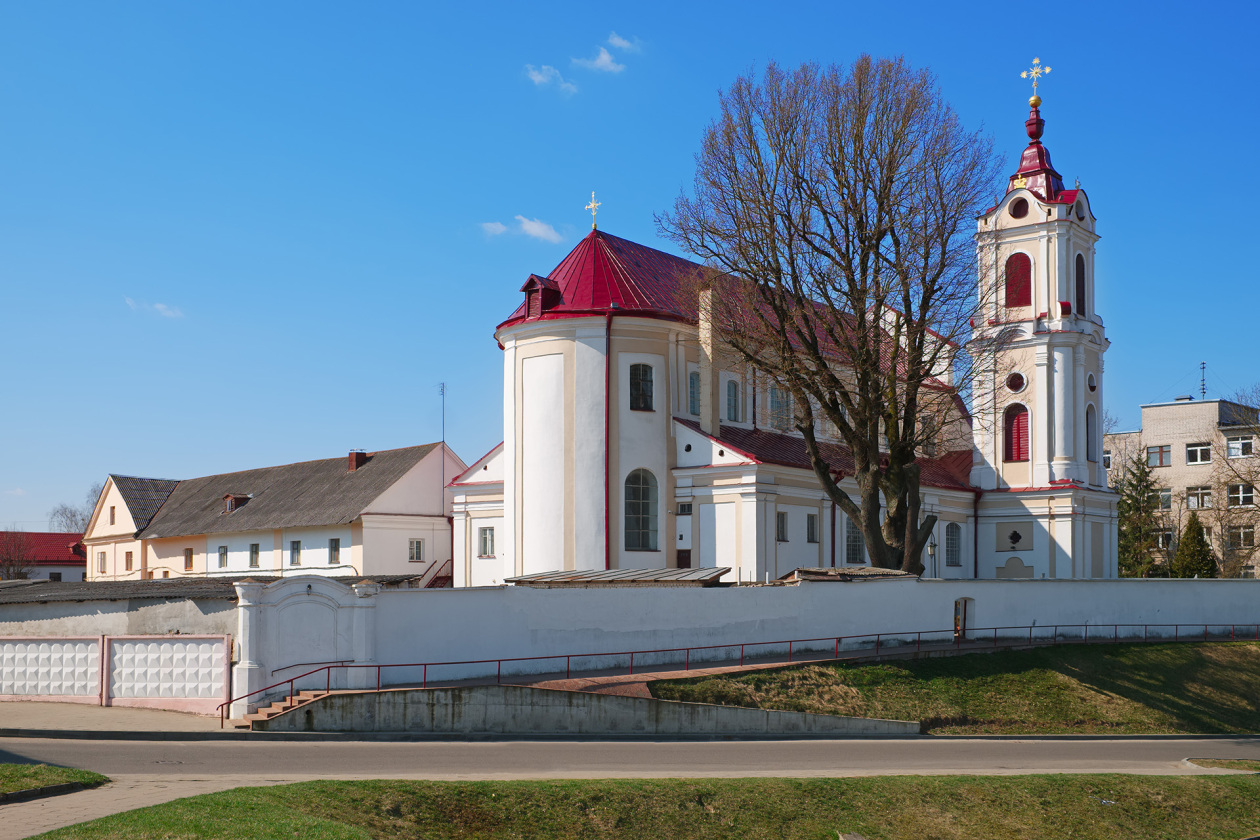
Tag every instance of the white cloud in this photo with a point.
(617, 42)
(162, 309)
(603, 62)
(547, 75)
(494, 228)
(538, 229)
(16, 491)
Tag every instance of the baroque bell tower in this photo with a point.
(1039, 397)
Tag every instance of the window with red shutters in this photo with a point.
(1016, 425)
(1018, 280)
(1080, 285)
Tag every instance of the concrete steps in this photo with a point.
(279, 707)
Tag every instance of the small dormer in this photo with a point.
(541, 294)
(234, 501)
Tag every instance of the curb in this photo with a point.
(41, 792)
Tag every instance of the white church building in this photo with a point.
(627, 444)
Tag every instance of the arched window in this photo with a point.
(953, 544)
(640, 387)
(1016, 433)
(1018, 280)
(693, 392)
(1080, 285)
(1091, 434)
(732, 401)
(641, 511)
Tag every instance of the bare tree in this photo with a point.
(17, 554)
(844, 202)
(71, 519)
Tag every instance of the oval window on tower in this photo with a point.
(1015, 382)
(1093, 386)
(1019, 208)
(1080, 211)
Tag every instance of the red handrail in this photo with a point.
(958, 637)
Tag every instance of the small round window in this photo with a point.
(1093, 385)
(1019, 208)
(1015, 382)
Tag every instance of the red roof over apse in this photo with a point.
(607, 272)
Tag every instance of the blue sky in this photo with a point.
(241, 234)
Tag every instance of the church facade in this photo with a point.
(629, 443)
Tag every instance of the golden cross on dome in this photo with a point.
(1035, 72)
(594, 208)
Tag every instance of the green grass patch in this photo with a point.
(1229, 763)
(993, 807)
(15, 777)
(1103, 689)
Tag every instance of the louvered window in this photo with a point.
(1018, 280)
(1016, 427)
(1080, 285)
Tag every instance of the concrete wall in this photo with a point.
(132, 617)
(512, 710)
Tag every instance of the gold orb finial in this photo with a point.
(1034, 101)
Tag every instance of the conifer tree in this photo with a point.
(1194, 555)
(1138, 520)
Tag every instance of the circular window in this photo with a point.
(687, 448)
(1019, 208)
(1093, 386)
(1015, 382)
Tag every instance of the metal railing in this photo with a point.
(971, 639)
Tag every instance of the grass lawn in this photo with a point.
(15, 777)
(991, 807)
(1117, 689)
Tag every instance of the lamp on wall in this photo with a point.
(931, 549)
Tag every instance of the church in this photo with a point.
(629, 444)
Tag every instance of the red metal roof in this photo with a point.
(50, 548)
(950, 471)
(607, 272)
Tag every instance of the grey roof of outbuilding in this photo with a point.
(143, 496)
(197, 588)
(291, 496)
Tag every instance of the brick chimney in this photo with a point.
(357, 459)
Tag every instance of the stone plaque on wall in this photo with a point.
(1014, 536)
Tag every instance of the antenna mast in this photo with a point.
(1202, 380)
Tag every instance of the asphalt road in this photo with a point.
(274, 760)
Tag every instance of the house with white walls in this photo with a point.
(370, 513)
(629, 442)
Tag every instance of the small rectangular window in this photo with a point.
(1164, 540)
(415, 551)
(693, 393)
(780, 408)
(100, 562)
(127, 561)
(732, 401)
(1199, 498)
(1106, 459)
(1241, 495)
(111, 514)
(811, 527)
(1165, 498)
(684, 508)
(1241, 536)
(1238, 446)
(295, 552)
(254, 552)
(640, 387)
(1198, 453)
(854, 545)
(334, 551)
(781, 526)
(485, 542)
(54, 577)
(223, 557)
(1159, 456)
(188, 559)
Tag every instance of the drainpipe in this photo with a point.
(975, 535)
(607, 443)
(833, 535)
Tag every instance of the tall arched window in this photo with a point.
(732, 401)
(1091, 434)
(641, 511)
(640, 387)
(953, 544)
(1018, 280)
(1080, 285)
(693, 392)
(1016, 433)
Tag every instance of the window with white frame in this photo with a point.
(1199, 498)
(854, 545)
(223, 556)
(1241, 536)
(1238, 446)
(485, 542)
(693, 393)
(127, 561)
(1106, 459)
(811, 527)
(640, 515)
(1198, 453)
(640, 387)
(732, 401)
(334, 551)
(100, 562)
(295, 552)
(684, 508)
(255, 551)
(1241, 495)
(781, 526)
(1165, 498)
(415, 551)
(1164, 540)
(780, 408)
(1159, 456)
(953, 544)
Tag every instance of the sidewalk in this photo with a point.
(27, 717)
